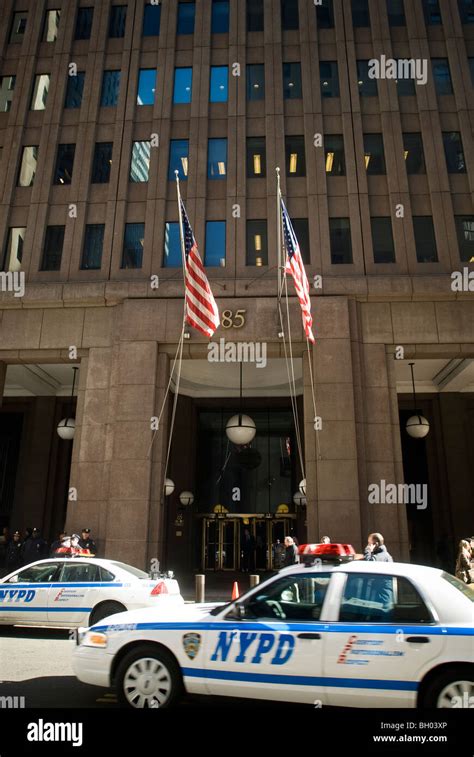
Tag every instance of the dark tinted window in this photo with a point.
(255, 15)
(425, 240)
(454, 152)
(179, 158)
(396, 13)
(442, 76)
(334, 154)
(301, 229)
(257, 243)
(53, 248)
(220, 17)
(325, 14)
(186, 13)
(374, 154)
(18, 27)
(340, 239)
(367, 85)
(84, 23)
(289, 14)
(292, 88)
(465, 233)
(382, 240)
(74, 90)
(432, 12)
(413, 153)
(256, 81)
(79, 573)
(360, 13)
(110, 88)
(64, 164)
(295, 156)
(102, 163)
(93, 245)
(172, 253)
(118, 19)
(134, 235)
(466, 11)
(151, 20)
(214, 254)
(38, 574)
(329, 78)
(256, 157)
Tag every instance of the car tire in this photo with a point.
(104, 610)
(452, 682)
(148, 677)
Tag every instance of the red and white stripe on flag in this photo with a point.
(295, 266)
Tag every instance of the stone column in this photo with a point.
(331, 467)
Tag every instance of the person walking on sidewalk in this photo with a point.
(376, 549)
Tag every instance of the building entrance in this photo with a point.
(247, 542)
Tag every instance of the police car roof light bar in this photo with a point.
(335, 553)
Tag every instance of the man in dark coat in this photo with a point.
(35, 548)
(376, 549)
(14, 553)
(291, 552)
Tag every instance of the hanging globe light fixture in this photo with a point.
(169, 487)
(416, 426)
(240, 429)
(67, 426)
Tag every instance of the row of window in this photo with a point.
(220, 17)
(256, 162)
(219, 84)
(256, 243)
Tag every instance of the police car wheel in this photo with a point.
(450, 689)
(104, 610)
(148, 677)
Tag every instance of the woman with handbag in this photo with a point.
(463, 562)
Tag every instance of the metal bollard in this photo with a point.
(254, 581)
(200, 587)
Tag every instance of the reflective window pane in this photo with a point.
(28, 165)
(133, 241)
(51, 26)
(179, 159)
(255, 15)
(93, 244)
(360, 13)
(84, 23)
(454, 152)
(172, 253)
(396, 13)
(329, 78)
(140, 163)
(215, 243)
(53, 248)
(102, 163)
(14, 250)
(186, 13)
(325, 14)
(183, 85)
(413, 153)
(40, 92)
(217, 159)
(7, 85)
(289, 15)
(110, 88)
(64, 164)
(74, 90)
(425, 241)
(256, 81)
(382, 240)
(257, 243)
(220, 17)
(256, 158)
(219, 84)
(334, 155)
(442, 76)
(340, 240)
(295, 156)
(466, 11)
(432, 12)
(18, 27)
(465, 233)
(301, 229)
(405, 83)
(292, 87)
(367, 86)
(146, 86)
(151, 20)
(374, 154)
(118, 19)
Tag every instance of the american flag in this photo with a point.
(201, 309)
(295, 266)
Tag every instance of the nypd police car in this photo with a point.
(345, 633)
(70, 592)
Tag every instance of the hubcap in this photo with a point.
(147, 683)
(456, 694)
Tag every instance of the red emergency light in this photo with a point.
(160, 588)
(310, 553)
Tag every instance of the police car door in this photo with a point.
(71, 599)
(24, 598)
(269, 645)
(383, 637)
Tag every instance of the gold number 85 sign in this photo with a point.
(231, 320)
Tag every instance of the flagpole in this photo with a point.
(181, 234)
(279, 234)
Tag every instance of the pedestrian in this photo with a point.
(463, 562)
(14, 553)
(56, 544)
(325, 540)
(87, 542)
(4, 542)
(278, 555)
(376, 549)
(34, 548)
(291, 552)
(248, 551)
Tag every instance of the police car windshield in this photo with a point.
(466, 589)
(130, 569)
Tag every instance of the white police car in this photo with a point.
(75, 591)
(360, 634)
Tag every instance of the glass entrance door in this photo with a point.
(220, 544)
